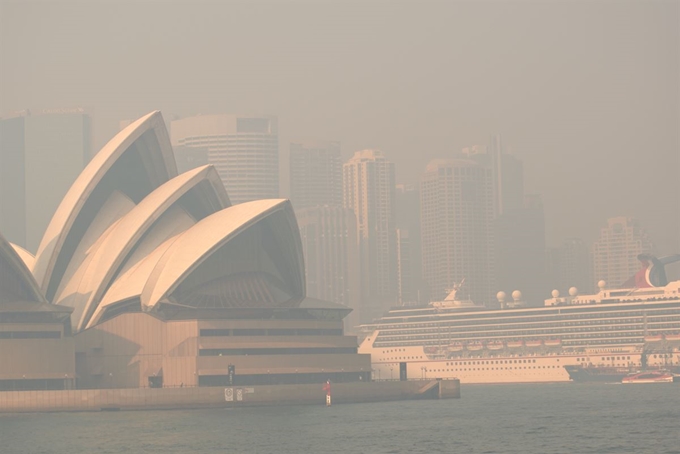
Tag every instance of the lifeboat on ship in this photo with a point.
(475, 346)
(675, 337)
(430, 350)
(495, 345)
(455, 347)
(553, 343)
(654, 338)
(515, 344)
(533, 343)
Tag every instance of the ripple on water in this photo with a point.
(550, 419)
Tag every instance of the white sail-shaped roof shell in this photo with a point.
(128, 287)
(135, 162)
(191, 249)
(131, 235)
(17, 284)
(160, 215)
(27, 257)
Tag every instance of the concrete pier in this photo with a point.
(176, 398)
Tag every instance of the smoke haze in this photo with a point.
(586, 93)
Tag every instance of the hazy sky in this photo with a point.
(586, 93)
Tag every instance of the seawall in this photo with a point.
(175, 398)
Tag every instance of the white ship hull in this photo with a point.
(458, 339)
(511, 367)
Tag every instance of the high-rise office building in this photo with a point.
(575, 266)
(520, 251)
(41, 154)
(244, 149)
(616, 250)
(315, 174)
(188, 158)
(567, 266)
(408, 224)
(331, 254)
(552, 269)
(456, 205)
(327, 229)
(369, 190)
(507, 174)
(405, 282)
(518, 222)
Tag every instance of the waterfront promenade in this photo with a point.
(175, 398)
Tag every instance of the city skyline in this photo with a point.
(193, 155)
(316, 167)
(418, 81)
(255, 205)
(664, 234)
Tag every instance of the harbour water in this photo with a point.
(555, 418)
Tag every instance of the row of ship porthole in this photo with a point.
(500, 361)
(607, 358)
(509, 361)
(493, 368)
(625, 358)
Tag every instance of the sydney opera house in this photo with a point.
(147, 278)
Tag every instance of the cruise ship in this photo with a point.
(454, 338)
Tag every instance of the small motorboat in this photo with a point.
(656, 376)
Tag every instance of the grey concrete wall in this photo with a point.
(145, 398)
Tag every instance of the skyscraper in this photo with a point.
(188, 158)
(507, 174)
(456, 205)
(410, 274)
(405, 281)
(244, 149)
(575, 266)
(331, 253)
(369, 190)
(616, 250)
(520, 251)
(41, 154)
(552, 269)
(315, 174)
(519, 246)
(327, 229)
(568, 265)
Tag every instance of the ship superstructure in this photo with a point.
(514, 344)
